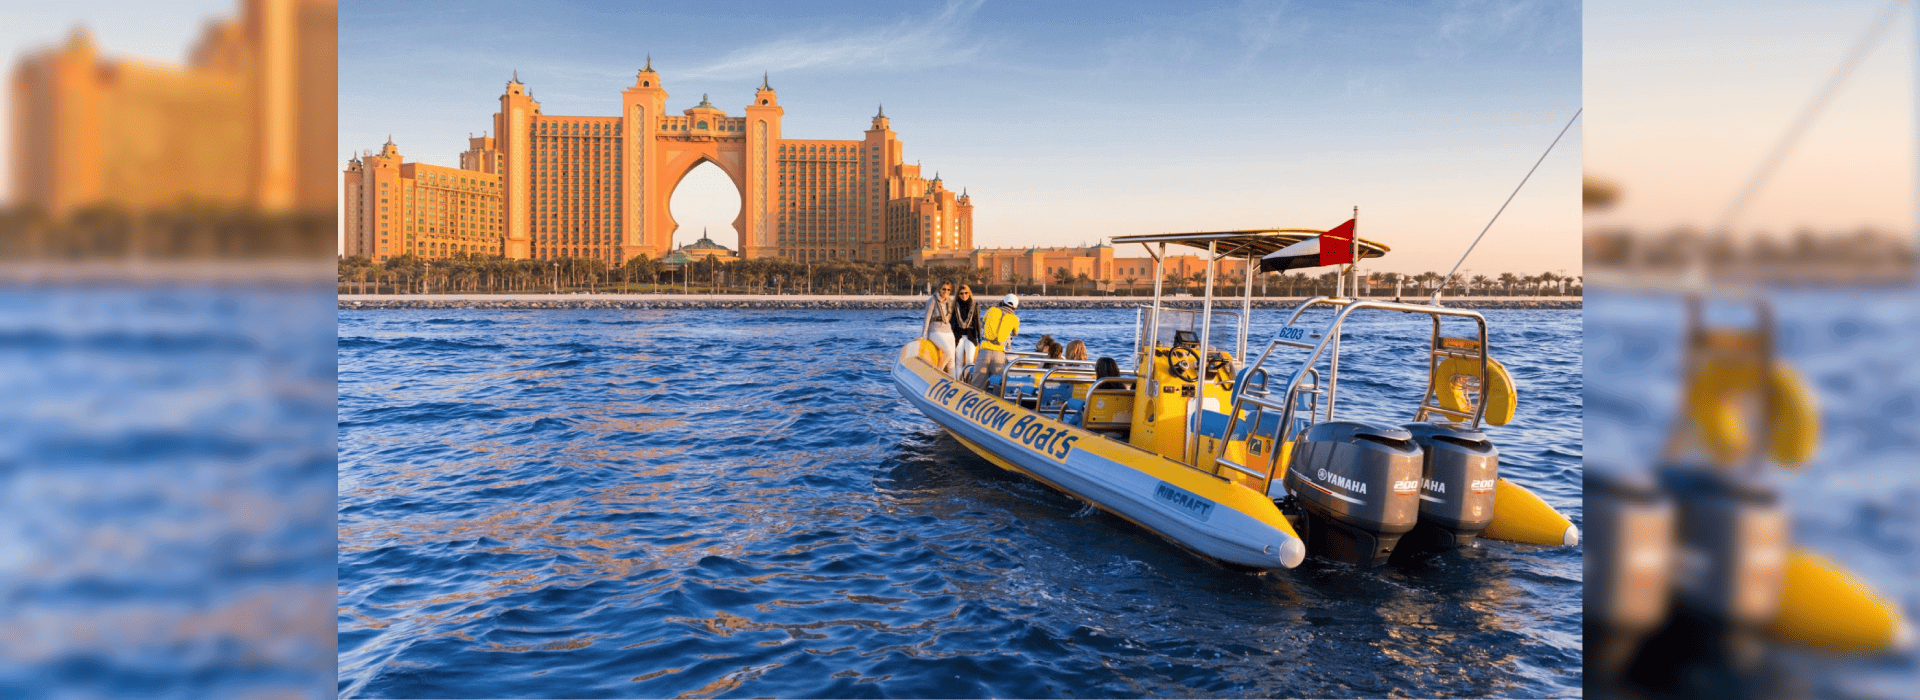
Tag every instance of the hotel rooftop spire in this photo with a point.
(543, 196)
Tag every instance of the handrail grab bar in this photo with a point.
(1034, 362)
(1285, 407)
(1040, 388)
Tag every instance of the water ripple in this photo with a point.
(642, 503)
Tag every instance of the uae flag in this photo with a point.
(1334, 247)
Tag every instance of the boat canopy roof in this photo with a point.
(1257, 242)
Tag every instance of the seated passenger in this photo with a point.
(1076, 350)
(1055, 352)
(1105, 367)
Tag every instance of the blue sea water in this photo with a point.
(734, 503)
(167, 491)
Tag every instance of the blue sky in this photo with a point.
(1067, 122)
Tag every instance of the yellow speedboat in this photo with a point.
(1693, 554)
(1204, 449)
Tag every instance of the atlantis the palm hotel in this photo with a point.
(544, 187)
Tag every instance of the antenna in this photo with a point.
(1435, 299)
(1696, 262)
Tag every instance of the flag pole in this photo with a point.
(1354, 245)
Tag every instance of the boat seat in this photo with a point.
(1074, 410)
(1022, 384)
(1055, 394)
(1240, 381)
(1269, 425)
(1213, 424)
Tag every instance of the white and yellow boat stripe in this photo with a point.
(1207, 514)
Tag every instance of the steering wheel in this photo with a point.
(1185, 369)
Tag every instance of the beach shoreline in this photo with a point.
(364, 302)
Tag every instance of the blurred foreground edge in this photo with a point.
(129, 170)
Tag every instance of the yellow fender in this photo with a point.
(931, 353)
(1451, 388)
(1822, 605)
(1520, 516)
(1719, 389)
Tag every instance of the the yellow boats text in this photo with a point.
(994, 415)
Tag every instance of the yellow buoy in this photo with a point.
(931, 353)
(1715, 397)
(1520, 516)
(1450, 387)
(1822, 605)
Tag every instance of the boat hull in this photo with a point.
(1201, 512)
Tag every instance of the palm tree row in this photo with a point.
(1384, 284)
(1392, 283)
(483, 274)
(469, 273)
(193, 231)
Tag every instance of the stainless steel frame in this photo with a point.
(1330, 338)
(1043, 363)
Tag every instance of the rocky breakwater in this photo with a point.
(851, 302)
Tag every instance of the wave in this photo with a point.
(740, 499)
(415, 344)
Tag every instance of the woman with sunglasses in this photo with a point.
(966, 326)
(939, 325)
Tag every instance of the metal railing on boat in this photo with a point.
(1331, 338)
(1043, 363)
(1286, 406)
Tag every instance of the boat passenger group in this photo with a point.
(970, 337)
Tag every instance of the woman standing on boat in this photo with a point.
(966, 327)
(939, 326)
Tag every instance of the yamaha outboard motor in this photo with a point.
(1626, 573)
(1459, 469)
(1732, 537)
(1358, 483)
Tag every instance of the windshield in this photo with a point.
(1226, 325)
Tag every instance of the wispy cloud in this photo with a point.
(942, 39)
(1260, 26)
(1477, 23)
(1223, 38)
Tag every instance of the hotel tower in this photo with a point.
(545, 187)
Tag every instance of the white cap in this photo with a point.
(1012, 302)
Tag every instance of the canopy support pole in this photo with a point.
(1153, 323)
(1206, 347)
(1246, 313)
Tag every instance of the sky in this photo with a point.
(1686, 100)
(1066, 122)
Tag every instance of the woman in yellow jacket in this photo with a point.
(997, 327)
